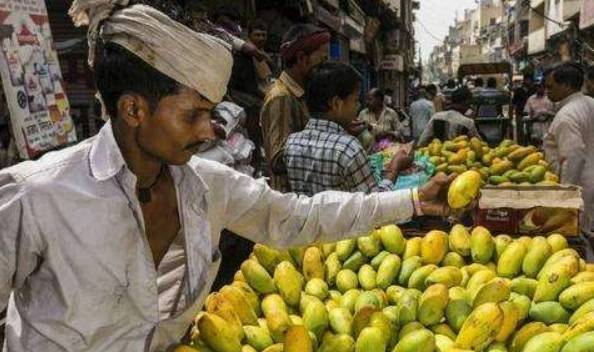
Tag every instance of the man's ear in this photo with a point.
(133, 109)
(302, 58)
(335, 103)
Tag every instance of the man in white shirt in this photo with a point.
(570, 140)
(111, 245)
(421, 111)
(451, 123)
(589, 83)
(539, 108)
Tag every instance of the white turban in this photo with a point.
(196, 60)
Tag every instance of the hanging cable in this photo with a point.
(560, 24)
(428, 31)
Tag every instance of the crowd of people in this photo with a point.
(317, 138)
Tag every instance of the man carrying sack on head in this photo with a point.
(111, 245)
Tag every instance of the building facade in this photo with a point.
(531, 35)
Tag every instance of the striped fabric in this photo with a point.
(325, 157)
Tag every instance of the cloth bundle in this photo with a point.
(197, 60)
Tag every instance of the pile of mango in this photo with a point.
(505, 165)
(462, 291)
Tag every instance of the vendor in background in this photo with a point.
(522, 93)
(449, 89)
(538, 108)
(389, 98)
(250, 75)
(479, 84)
(324, 156)
(381, 120)
(491, 84)
(250, 80)
(112, 245)
(589, 83)
(420, 112)
(304, 46)
(436, 97)
(453, 122)
(225, 22)
(569, 143)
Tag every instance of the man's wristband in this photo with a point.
(416, 201)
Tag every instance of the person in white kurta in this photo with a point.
(569, 142)
(112, 245)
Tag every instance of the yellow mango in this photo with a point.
(217, 334)
(289, 283)
(313, 265)
(297, 340)
(434, 247)
(464, 189)
(481, 327)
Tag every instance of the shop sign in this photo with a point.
(587, 14)
(357, 45)
(32, 80)
(393, 63)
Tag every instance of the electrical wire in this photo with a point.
(428, 31)
(560, 24)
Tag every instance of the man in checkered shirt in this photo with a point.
(324, 156)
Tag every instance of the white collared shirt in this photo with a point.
(75, 257)
(568, 148)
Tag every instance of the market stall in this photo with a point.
(518, 277)
(466, 289)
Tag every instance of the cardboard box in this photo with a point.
(530, 210)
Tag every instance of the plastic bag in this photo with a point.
(416, 176)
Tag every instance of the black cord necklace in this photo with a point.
(144, 193)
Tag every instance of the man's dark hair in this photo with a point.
(295, 33)
(568, 74)
(479, 82)
(329, 80)
(117, 71)
(431, 89)
(451, 83)
(461, 95)
(491, 82)
(258, 25)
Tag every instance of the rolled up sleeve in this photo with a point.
(260, 214)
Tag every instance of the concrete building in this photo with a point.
(531, 34)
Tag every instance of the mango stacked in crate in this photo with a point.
(462, 291)
(505, 165)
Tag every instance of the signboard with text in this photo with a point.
(32, 80)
